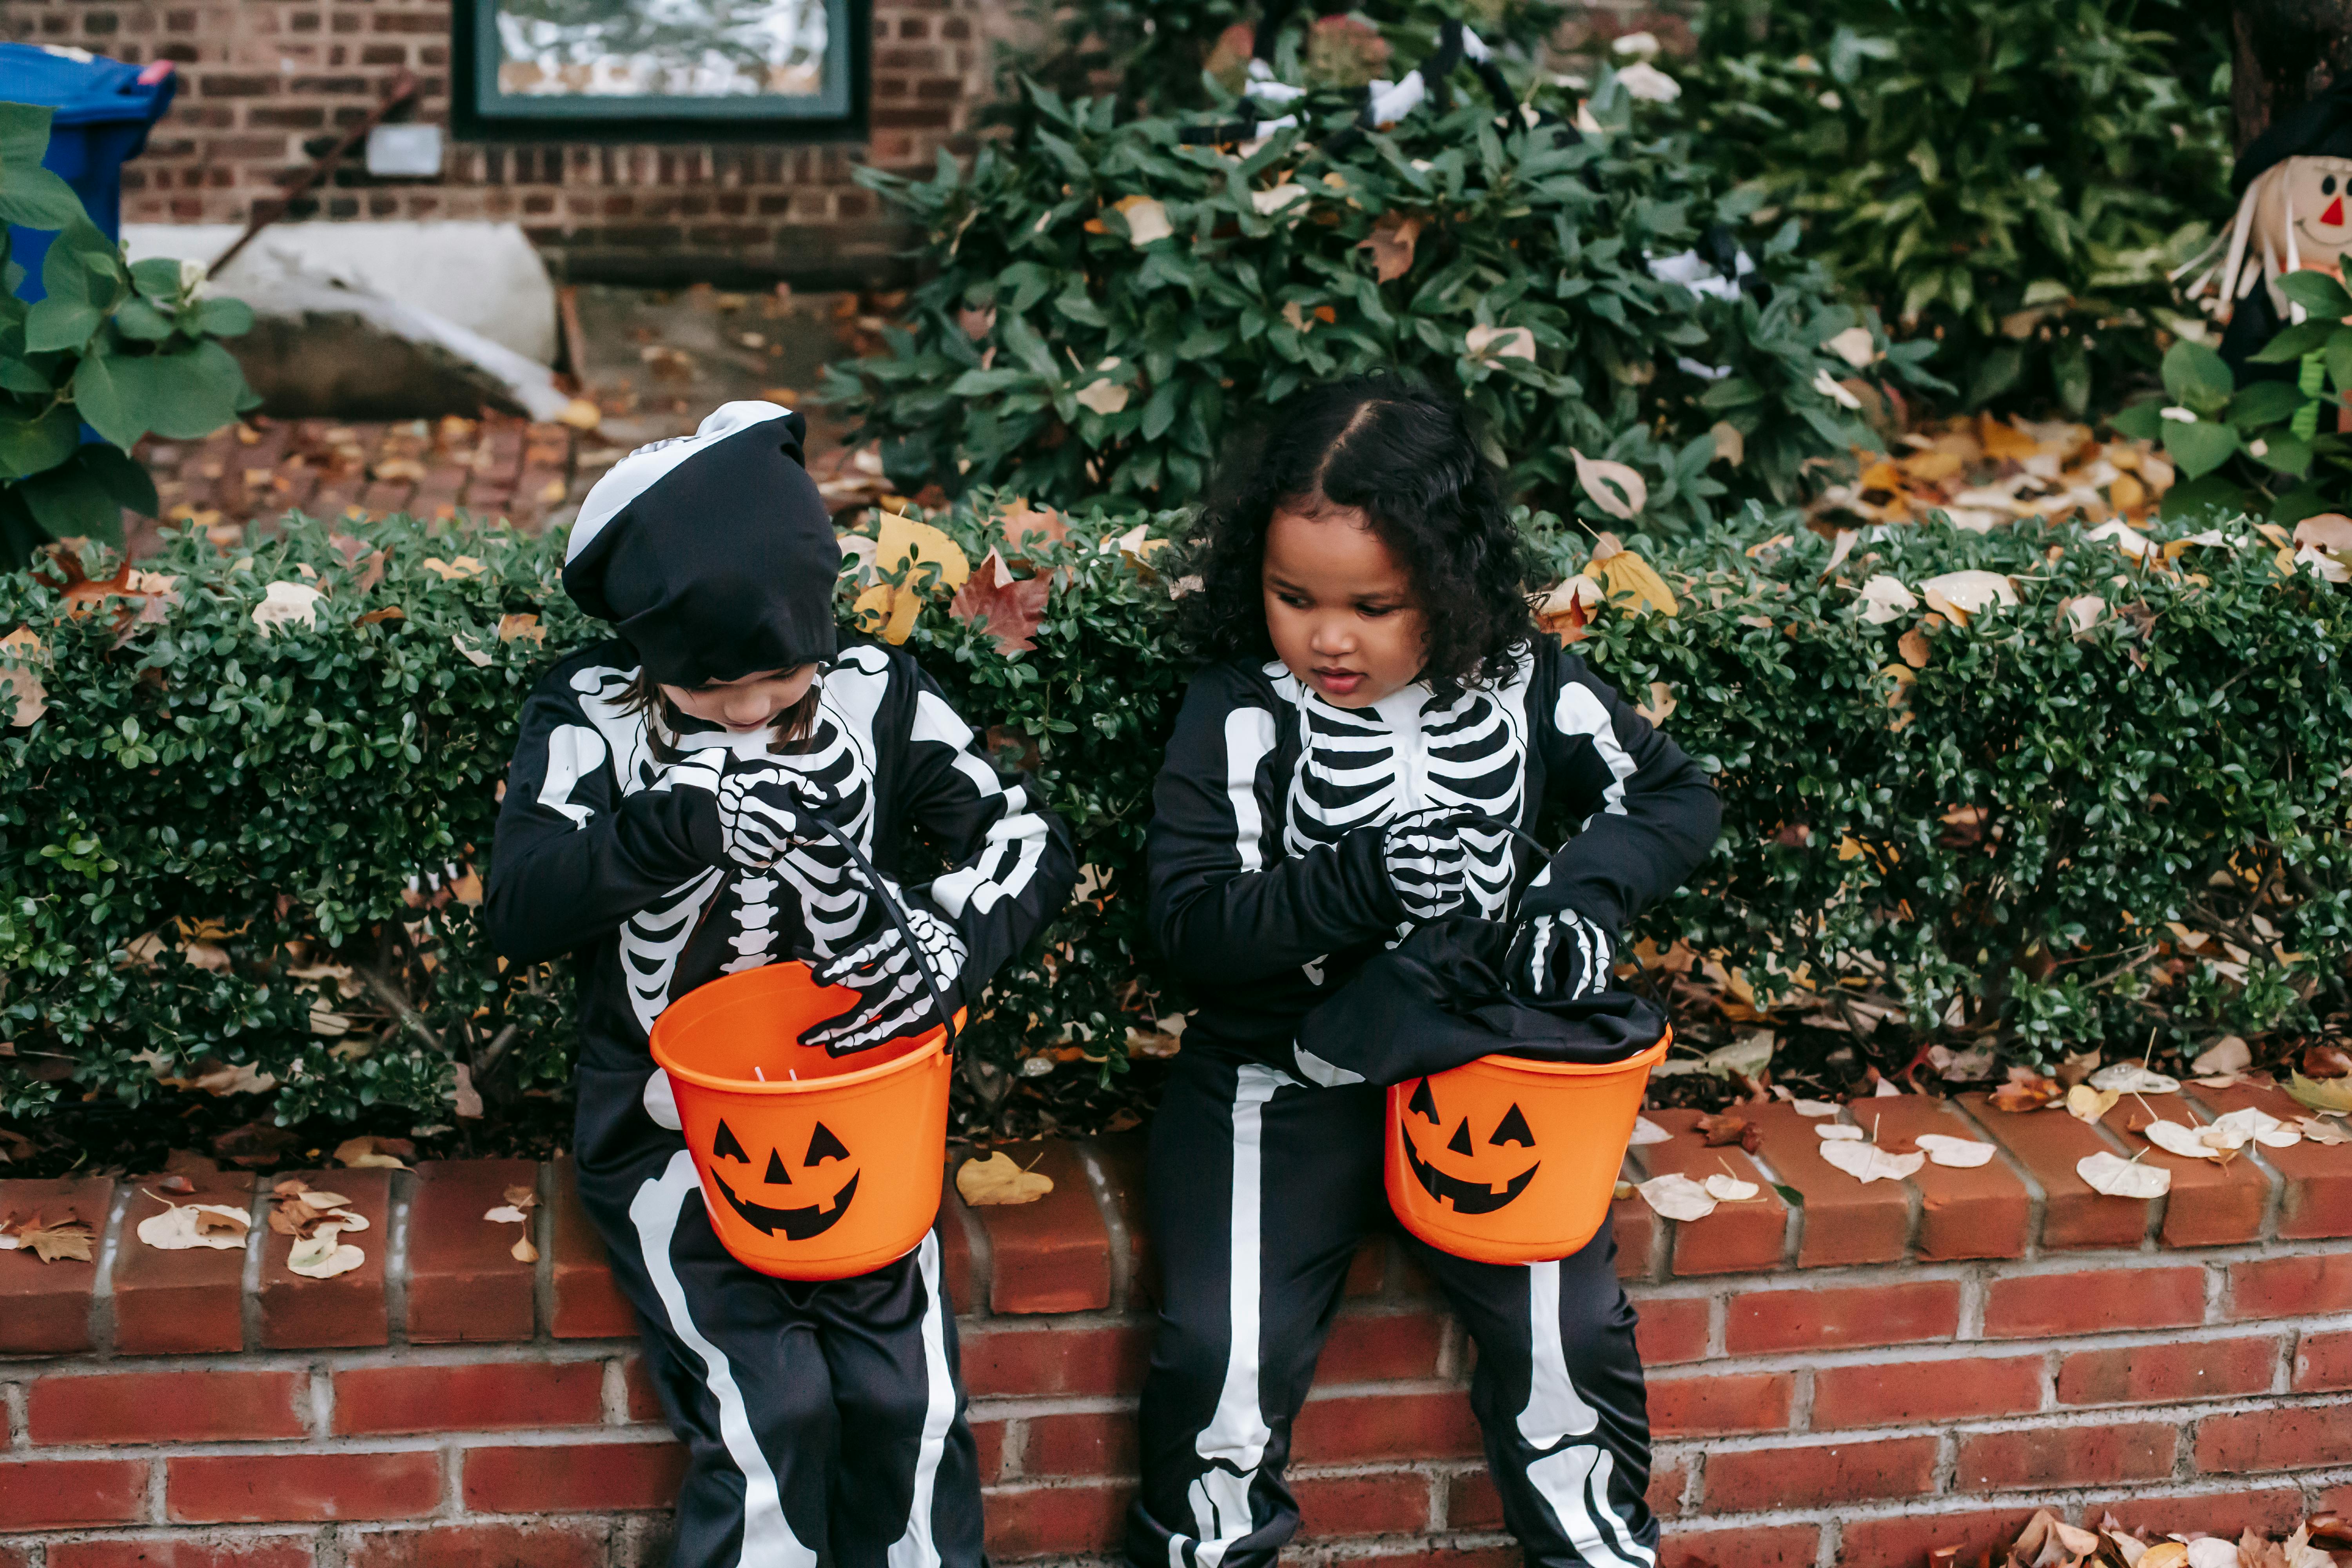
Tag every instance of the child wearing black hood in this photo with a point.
(658, 823)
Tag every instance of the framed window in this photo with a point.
(660, 69)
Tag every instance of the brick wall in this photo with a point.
(1855, 1380)
(266, 85)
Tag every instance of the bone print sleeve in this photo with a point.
(1647, 814)
(1014, 864)
(572, 859)
(1226, 905)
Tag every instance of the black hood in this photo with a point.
(712, 554)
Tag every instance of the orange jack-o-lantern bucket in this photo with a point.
(1504, 1160)
(814, 1166)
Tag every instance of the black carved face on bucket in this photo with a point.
(1476, 1182)
(797, 1222)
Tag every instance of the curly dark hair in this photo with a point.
(1410, 457)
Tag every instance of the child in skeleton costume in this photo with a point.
(2294, 185)
(659, 823)
(1303, 825)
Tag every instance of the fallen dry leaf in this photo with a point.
(1731, 1189)
(1969, 593)
(1677, 1197)
(997, 1180)
(2131, 1078)
(1959, 1153)
(2319, 1130)
(1913, 646)
(522, 626)
(473, 655)
(1008, 609)
(1511, 343)
(1721, 1131)
(1730, 444)
(288, 604)
(19, 651)
(1814, 1107)
(1391, 243)
(1025, 522)
(2084, 1103)
(369, 1152)
(451, 570)
(2120, 1178)
(183, 1225)
(523, 1197)
(1856, 346)
(2025, 1091)
(2164, 1554)
(1104, 396)
(2325, 1061)
(324, 1255)
(523, 1251)
(1867, 1162)
(1648, 1131)
(1839, 1132)
(1884, 598)
(2227, 1054)
(1617, 488)
(63, 1240)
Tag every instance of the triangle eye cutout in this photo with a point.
(776, 1175)
(1513, 1129)
(823, 1146)
(1459, 1141)
(1423, 1104)
(725, 1146)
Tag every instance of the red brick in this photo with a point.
(988, 1438)
(2317, 1201)
(1671, 1329)
(2280, 1438)
(464, 1280)
(1981, 1212)
(2210, 1204)
(468, 1397)
(2094, 1301)
(1641, 1236)
(1905, 1539)
(1764, 1321)
(167, 1406)
(1055, 1520)
(45, 1306)
(1034, 1362)
(1735, 1238)
(963, 1266)
(173, 1552)
(588, 1305)
(1390, 1503)
(1886, 1393)
(2323, 1361)
(561, 1478)
(1750, 1546)
(251, 1489)
(1815, 1474)
(1707, 1402)
(2050, 1458)
(2291, 1287)
(2048, 1144)
(1384, 1347)
(173, 1303)
(644, 1398)
(480, 1546)
(1843, 1221)
(2265, 1511)
(1081, 1443)
(2183, 1369)
(65, 1494)
(298, 1313)
(1436, 1425)
(1054, 1255)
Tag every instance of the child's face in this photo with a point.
(745, 706)
(1339, 606)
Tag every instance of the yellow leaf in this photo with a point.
(1505, 342)
(997, 1180)
(887, 612)
(449, 571)
(2322, 1093)
(582, 415)
(1913, 646)
(1661, 706)
(521, 625)
(1146, 220)
(1626, 575)
(1730, 446)
(2087, 1104)
(1106, 396)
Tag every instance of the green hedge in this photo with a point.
(1103, 303)
(206, 839)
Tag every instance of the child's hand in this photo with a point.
(1427, 864)
(894, 999)
(1561, 957)
(762, 812)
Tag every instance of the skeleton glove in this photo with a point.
(1559, 957)
(893, 999)
(1427, 865)
(763, 812)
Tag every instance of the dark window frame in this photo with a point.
(479, 112)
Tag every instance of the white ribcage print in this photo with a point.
(1363, 766)
(831, 889)
(655, 938)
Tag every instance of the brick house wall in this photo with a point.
(1855, 1380)
(267, 84)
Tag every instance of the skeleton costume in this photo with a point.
(824, 1421)
(1289, 845)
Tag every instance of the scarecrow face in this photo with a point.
(798, 1222)
(2313, 196)
(1469, 1170)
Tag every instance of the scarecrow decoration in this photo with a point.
(2294, 185)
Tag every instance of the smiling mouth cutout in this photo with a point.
(796, 1224)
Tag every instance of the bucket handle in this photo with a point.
(897, 918)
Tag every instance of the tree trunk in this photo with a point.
(2285, 52)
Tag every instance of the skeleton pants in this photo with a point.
(823, 1420)
(1261, 1188)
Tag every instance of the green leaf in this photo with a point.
(157, 277)
(2070, 370)
(141, 322)
(2339, 359)
(225, 318)
(2141, 421)
(2295, 341)
(29, 446)
(2286, 454)
(30, 194)
(1790, 1196)
(2196, 375)
(1998, 372)
(2319, 293)
(2265, 403)
(2200, 447)
(100, 402)
(122, 476)
(69, 501)
(184, 394)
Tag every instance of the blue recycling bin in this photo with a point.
(104, 109)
